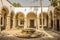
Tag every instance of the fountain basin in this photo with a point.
(29, 33)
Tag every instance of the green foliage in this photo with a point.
(16, 4)
(57, 10)
(53, 2)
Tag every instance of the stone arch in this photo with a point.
(57, 18)
(44, 14)
(4, 10)
(45, 19)
(32, 14)
(51, 19)
(4, 13)
(31, 19)
(20, 19)
(57, 11)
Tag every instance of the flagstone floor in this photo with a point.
(56, 36)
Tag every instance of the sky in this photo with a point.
(27, 9)
(31, 2)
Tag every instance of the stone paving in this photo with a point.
(56, 36)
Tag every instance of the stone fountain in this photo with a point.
(29, 33)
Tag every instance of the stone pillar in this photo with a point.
(8, 22)
(53, 21)
(38, 22)
(45, 22)
(14, 22)
(42, 21)
(25, 22)
(0, 22)
(55, 24)
(49, 21)
(59, 25)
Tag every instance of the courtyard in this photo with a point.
(29, 23)
(7, 35)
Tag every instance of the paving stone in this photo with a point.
(55, 34)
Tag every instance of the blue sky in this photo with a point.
(31, 2)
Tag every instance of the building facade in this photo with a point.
(27, 17)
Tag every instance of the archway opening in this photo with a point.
(20, 20)
(45, 20)
(51, 19)
(4, 14)
(57, 18)
(31, 20)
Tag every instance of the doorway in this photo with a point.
(11, 20)
(4, 14)
(31, 23)
(51, 24)
(57, 25)
(4, 19)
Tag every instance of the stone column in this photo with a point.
(8, 22)
(49, 21)
(59, 24)
(25, 22)
(42, 21)
(38, 22)
(53, 21)
(14, 22)
(55, 24)
(0, 22)
(18, 22)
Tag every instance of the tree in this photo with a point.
(57, 10)
(16, 4)
(53, 2)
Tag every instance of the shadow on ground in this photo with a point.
(16, 38)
